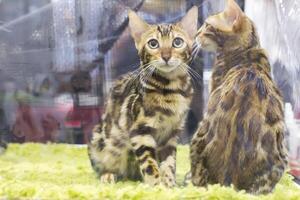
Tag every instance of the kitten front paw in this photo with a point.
(168, 181)
(151, 173)
(107, 178)
(200, 176)
(168, 177)
(152, 180)
(187, 178)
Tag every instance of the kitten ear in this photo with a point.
(233, 14)
(190, 21)
(137, 26)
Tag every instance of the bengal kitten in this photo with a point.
(241, 138)
(145, 112)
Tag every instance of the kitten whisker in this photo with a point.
(148, 74)
(140, 70)
(138, 75)
(200, 78)
(194, 54)
(146, 69)
(192, 71)
(183, 69)
(195, 50)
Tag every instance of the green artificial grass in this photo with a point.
(59, 171)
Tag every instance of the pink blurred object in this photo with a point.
(83, 118)
(36, 123)
(46, 123)
(293, 139)
(294, 166)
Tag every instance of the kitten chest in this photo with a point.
(169, 116)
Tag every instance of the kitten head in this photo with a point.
(227, 30)
(165, 47)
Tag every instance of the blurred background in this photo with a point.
(58, 59)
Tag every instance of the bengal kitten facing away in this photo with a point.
(145, 112)
(241, 138)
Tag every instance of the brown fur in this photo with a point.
(145, 111)
(241, 139)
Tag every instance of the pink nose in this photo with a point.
(166, 55)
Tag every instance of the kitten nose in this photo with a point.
(166, 55)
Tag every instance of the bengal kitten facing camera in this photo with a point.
(145, 112)
(241, 138)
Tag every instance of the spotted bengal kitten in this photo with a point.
(145, 112)
(241, 138)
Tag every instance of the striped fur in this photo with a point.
(144, 115)
(241, 138)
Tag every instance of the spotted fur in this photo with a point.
(145, 111)
(241, 138)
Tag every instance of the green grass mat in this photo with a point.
(58, 171)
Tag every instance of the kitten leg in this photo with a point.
(167, 158)
(198, 145)
(199, 174)
(107, 178)
(187, 178)
(108, 156)
(144, 147)
(262, 185)
(265, 183)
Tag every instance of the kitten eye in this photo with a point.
(177, 42)
(153, 44)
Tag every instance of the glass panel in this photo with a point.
(58, 59)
